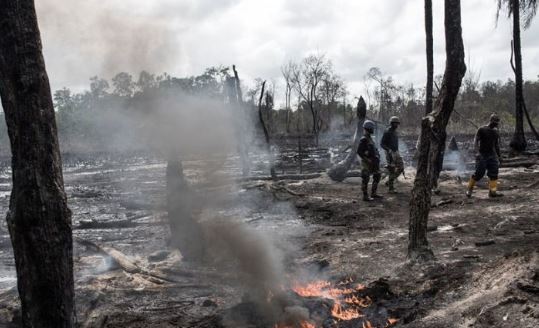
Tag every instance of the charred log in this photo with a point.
(338, 172)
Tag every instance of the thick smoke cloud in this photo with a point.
(87, 38)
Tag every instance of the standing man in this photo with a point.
(370, 162)
(390, 143)
(487, 149)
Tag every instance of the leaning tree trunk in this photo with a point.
(430, 65)
(430, 56)
(338, 172)
(38, 219)
(433, 134)
(518, 142)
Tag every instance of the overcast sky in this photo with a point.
(82, 38)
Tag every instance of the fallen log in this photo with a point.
(485, 243)
(513, 163)
(94, 224)
(122, 261)
(353, 174)
(307, 176)
(525, 164)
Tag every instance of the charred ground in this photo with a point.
(486, 273)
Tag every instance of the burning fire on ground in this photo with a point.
(347, 304)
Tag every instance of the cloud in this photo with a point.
(85, 38)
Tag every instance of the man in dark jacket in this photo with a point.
(390, 143)
(487, 148)
(370, 162)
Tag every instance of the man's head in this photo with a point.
(369, 126)
(494, 120)
(394, 122)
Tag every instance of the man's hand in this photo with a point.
(477, 156)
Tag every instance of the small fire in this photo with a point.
(392, 321)
(344, 314)
(361, 302)
(347, 303)
(303, 324)
(313, 289)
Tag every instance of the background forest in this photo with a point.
(97, 119)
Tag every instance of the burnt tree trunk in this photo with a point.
(430, 64)
(265, 130)
(38, 220)
(338, 172)
(236, 100)
(185, 232)
(433, 133)
(430, 56)
(518, 142)
(418, 245)
(528, 118)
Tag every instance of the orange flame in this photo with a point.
(361, 302)
(346, 305)
(303, 324)
(313, 289)
(344, 314)
(392, 321)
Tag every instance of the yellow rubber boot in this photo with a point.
(493, 189)
(471, 185)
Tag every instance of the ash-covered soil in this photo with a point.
(486, 273)
(487, 268)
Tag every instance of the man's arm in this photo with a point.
(497, 146)
(476, 142)
(384, 142)
(362, 149)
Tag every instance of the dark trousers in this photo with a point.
(368, 169)
(486, 164)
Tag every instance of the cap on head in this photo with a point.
(368, 125)
(394, 119)
(494, 118)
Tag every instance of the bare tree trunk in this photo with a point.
(518, 142)
(430, 64)
(338, 172)
(265, 129)
(528, 118)
(430, 56)
(185, 232)
(38, 220)
(236, 99)
(288, 110)
(314, 114)
(433, 133)
(418, 245)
